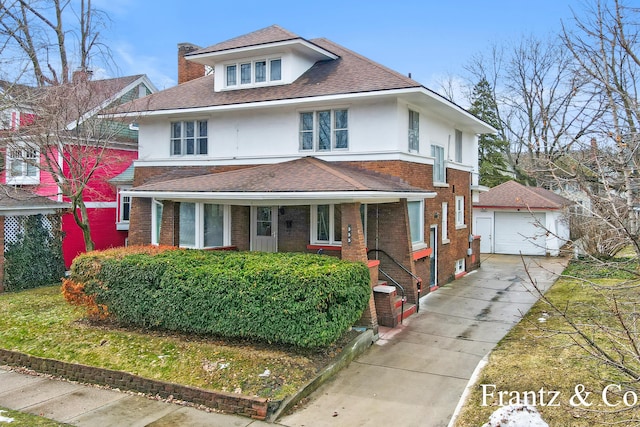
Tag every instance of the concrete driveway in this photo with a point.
(415, 374)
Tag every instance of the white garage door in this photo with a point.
(520, 232)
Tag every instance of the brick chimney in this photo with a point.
(188, 70)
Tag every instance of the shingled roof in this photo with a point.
(306, 175)
(350, 73)
(272, 34)
(14, 200)
(511, 195)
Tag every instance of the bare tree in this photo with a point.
(51, 37)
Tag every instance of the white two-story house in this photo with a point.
(272, 142)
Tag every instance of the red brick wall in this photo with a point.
(241, 227)
(140, 222)
(293, 228)
(170, 225)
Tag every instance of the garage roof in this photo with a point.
(514, 195)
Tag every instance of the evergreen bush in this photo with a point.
(298, 299)
(35, 258)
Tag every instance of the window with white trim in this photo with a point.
(156, 221)
(189, 138)
(458, 156)
(445, 222)
(22, 165)
(204, 225)
(437, 152)
(326, 223)
(416, 221)
(254, 72)
(123, 209)
(414, 130)
(324, 130)
(460, 266)
(459, 211)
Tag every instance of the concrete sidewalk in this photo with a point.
(414, 375)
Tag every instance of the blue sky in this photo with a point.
(427, 38)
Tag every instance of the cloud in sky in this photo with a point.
(129, 61)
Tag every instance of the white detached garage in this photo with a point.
(514, 219)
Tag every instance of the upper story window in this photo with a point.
(324, 130)
(437, 152)
(189, 138)
(253, 72)
(414, 130)
(22, 165)
(458, 146)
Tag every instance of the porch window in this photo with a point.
(324, 130)
(22, 165)
(326, 223)
(416, 221)
(414, 130)
(437, 152)
(189, 138)
(204, 225)
(156, 221)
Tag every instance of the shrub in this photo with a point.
(299, 299)
(35, 258)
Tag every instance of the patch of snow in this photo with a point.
(265, 374)
(4, 419)
(516, 416)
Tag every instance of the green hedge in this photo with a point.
(35, 258)
(299, 299)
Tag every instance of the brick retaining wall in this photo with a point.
(254, 407)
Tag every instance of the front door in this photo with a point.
(264, 228)
(433, 258)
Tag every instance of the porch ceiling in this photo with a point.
(303, 181)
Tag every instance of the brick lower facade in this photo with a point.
(387, 224)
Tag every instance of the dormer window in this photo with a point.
(255, 72)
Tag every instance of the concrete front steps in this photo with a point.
(389, 305)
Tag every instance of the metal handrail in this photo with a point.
(399, 286)
(416, 278)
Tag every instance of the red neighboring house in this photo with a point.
(22, 158)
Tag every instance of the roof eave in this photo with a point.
(267, 198)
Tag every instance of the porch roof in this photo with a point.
(305, 180)
(18, 202)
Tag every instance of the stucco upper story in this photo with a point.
(275, 96)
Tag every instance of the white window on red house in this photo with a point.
(22, 165)
(460, 211)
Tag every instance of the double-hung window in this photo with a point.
(22, 165)
(326, 223)
(189, 138)
(460, 211)
(445, 222)
(204, 225)
(414, 130)
(437, 152)
(416, 221)
(324, 130)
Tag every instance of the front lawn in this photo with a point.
(539, 358)
(41, 323)
(11, 418)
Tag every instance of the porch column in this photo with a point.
(170, 227)
(354, 248)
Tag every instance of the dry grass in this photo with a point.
(39, 322)
(539, 355)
